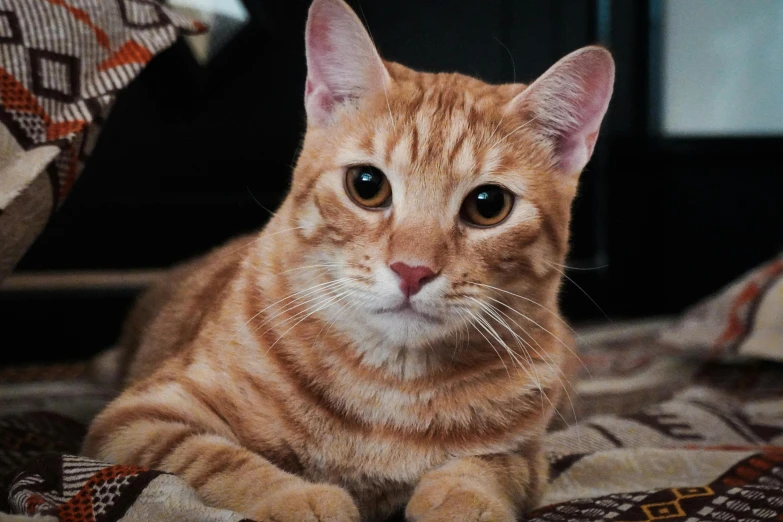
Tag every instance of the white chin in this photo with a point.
(409, 328)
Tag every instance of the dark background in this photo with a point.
(192, 154)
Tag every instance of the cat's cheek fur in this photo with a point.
(309, 221)
(326, 217)
(519, 249)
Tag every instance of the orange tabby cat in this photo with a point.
(391, 339)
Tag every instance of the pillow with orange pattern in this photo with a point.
(61, 66)
(743, 320)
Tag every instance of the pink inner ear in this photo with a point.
(575, 144)
(318, 47)
(342, 63)
(569, 102)
(318, 101)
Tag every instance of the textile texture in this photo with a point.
(62, 63)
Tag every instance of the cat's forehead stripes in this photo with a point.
(443, 125)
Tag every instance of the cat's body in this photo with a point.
(376, 440)
(290, 362)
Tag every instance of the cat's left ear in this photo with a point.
(342, 62)
(567, 104)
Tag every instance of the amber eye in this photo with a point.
(486, 206)
(368, 187)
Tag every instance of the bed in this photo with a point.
(675, 419)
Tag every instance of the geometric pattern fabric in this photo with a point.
(62, 63)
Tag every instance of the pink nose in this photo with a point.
(412, 278)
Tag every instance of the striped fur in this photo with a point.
(266, 375)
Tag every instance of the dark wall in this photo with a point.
(688, 216)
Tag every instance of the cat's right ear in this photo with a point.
(342, 62)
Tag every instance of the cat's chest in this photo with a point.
(382, 467)
(378, 444)
(363, 434)
(395, 439)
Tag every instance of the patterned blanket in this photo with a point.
(676, 420)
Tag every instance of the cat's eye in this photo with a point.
(368, 187)
(486, 206)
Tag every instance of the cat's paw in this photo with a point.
(457, 500)
(308, 503)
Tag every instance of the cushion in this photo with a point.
(635, 363)
(62, 64)
(742, 320)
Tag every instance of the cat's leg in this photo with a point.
(490, 488)
(204, 454)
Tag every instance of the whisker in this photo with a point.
(515, 130)
(544, 329)
(494, 315)
(555, 315)
(331, 323)
(580, 288)
(561, 376)
(271, 214)
(458, 334)
(537, 381)
(554, 366)
(473, 324)
(302, 295)
(466, 327)
(514, 356)
(309, 290)
(513, 80)
(320, 307)
(522, 329)
(578, 267)
(323, 265)
(264, 236)
(531, 320)
(340, 287)
(513, 64)
(521, 297)
(289, 307)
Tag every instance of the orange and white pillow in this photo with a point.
(744, 320)
(61, 66)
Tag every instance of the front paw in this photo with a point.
(308, 503)
(457, 500)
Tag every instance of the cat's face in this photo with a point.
(422, 196)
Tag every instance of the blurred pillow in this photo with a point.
(745, 319)
(62, 63)
(628, 365)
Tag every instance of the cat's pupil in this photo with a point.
(368, 183)
(490, 201)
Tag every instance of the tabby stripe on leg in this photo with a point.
(225, 473)
(153, 455)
